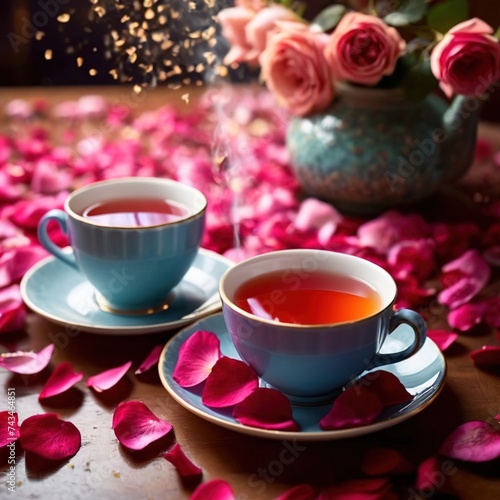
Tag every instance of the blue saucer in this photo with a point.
(423, 376)
(61, 294)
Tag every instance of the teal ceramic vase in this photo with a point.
(374, 149)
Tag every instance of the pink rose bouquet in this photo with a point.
(412, 44)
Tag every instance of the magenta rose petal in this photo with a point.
(442, 338)
(488, 355)
(151, 360)
(427, 471)
(108, 378)
(387, 387)
(136, 426)
(466, 316)
(384, 462)
(182, 463)
(27, 363)
(197, 355)
(229, 382)
(266, 409)
(9, 428)
(299, 492)
(216, 489)
(12, 309)
(62, 378)
(356, 406)
(50, 437)
(474, 441)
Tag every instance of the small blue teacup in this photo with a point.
(133, 260)
(310, 362)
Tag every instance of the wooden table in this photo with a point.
(103, 469)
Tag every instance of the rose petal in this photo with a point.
(267, 409)
(427, 472)
(386, 386)
(50, 437)
(488, 355)
(299, 492)
(151, 360)
(12, 309)
(197, 355)
(460, 292)
(27, 363)
(466, 316)
(313, 214)
(442, 338)
(136, 426)
(17, 261)
(354, 407)
(9, 428)
(229, 382)
(108, 378)
(62, 378)
(384, 462)
(474, 441)
(216, 489)
(182, 463)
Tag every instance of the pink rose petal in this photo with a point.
(460, 292)
(386, 386)
(182, 463)
(108, 378)
(27, 363)
(354, 407)
(428, 472)
(216, 489)
(50, 437)
(151, 360)
(299, 492)
(474, 441)
(442, 338)
(384, 462)
(9, 427)
(12, 309)
(136, 426)
(229, 382)
(197, 355)
(266, 409)
(466, 316)
(313, 214)
(17, 261)
(62, 378)
(488, 355)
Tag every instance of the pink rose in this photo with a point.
(295, 70)
(363, 49)
(247, 29)
(467, 60)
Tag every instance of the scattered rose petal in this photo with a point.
(442, 338)
(229, 382)
(14, 263)
(108, 378)
(182, 463)
(12, 309)
(466, 316)
(27, 363)
(197, 355)
(354, 407)
(313, 214)
(427, 472)
(9, 428)
(384, 462)
(488, 355)
(151, 360)
(216, 489)
(386, 386)
(266, 409)
(474, 441)
(136, 426)
(299, 492)
(62, 378)
(50, 437)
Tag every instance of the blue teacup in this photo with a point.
(133, 265)
(310, 362)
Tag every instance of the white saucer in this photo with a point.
(423, 376)
(61, 294)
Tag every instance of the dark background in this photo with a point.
(23, 62)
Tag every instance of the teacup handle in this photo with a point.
(43, 236)
(413, 319)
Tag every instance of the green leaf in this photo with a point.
(328, 18)
(408, 12)
(444, 15)
(419, 81)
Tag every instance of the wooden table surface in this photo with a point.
(102, 469)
